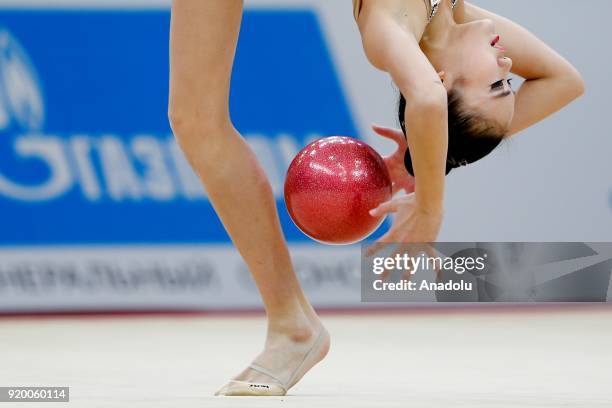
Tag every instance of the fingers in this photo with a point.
(407, 184)
(407, 254)
(415, 250)
(394, 134)
(437, 268)
(401, 250)
(385, 208)
(378, 245)
(393, 205)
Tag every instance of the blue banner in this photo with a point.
(86, 152)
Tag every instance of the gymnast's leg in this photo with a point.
(203, 41)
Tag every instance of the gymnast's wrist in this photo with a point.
(430, 209)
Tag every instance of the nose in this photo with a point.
(505, 64)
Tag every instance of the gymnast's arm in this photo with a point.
(551, 82)
(392, 48)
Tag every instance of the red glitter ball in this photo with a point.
(331, 186)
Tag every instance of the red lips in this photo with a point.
(495, 41)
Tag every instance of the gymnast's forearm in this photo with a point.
(539, 98)
(427, 136)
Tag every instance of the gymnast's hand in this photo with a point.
(411, 232)
(412, 224)
(400, 178)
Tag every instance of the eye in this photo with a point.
(500, 84)
(497, 85)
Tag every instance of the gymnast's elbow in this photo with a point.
(577, 84)
(573, 83)
(430, 100)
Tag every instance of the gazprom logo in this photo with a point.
(69, 159)
(22, 110)
(21, 100)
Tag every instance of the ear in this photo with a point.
(445, 79)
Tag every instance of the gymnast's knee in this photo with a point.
(189, 122)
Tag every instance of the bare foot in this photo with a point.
(287, 356)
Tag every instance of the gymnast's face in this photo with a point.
(480, 71)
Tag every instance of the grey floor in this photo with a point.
(523, 359)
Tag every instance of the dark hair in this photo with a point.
(470, 136)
